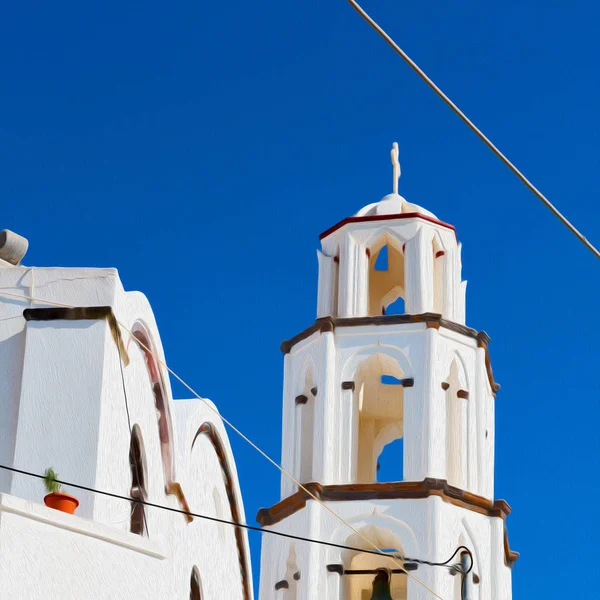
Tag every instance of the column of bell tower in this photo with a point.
(389, 369)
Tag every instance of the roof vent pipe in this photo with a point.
(13, 247)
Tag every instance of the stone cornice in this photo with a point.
(432, 320)
(407, 490)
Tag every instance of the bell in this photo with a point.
(381, 585)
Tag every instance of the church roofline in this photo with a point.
(413, 215)
(211, 432)
(432, 320)
(388, 491)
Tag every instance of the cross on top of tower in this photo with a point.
(396, 165)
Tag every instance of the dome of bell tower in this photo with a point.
(392, 204)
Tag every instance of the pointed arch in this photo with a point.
(307, 369)
(384, 236)
(146, 344)
(467, 538)
(457, 426)
(351, 366)
(292, 574)
(195, 585)
(461, 371)
(305, 422)
(208, 429)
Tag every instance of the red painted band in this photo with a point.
(385, 218)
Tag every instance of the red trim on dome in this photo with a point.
(385, 218)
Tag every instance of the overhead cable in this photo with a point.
(411, 63)
(446, 563)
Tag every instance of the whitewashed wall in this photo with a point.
(426, 528)
(62, 397)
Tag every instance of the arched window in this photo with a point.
(386, 276)
(361, 569)
(380, 401)
(305, 425)
(195, 587)
(138, 482)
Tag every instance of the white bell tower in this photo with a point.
(388, 368)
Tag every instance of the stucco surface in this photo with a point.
(62, 396)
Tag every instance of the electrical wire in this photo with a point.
(463, 117)
(242, 435)
(446, 563)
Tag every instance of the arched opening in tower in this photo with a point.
(360, 586)
(380, 402)
(386, 276)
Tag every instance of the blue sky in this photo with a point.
(202, 147)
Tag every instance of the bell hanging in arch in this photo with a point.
(381, 585)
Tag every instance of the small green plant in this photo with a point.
(50, 477)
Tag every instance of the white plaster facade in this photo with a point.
(359, 379)
(63, 406)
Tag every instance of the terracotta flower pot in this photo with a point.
(62, 502)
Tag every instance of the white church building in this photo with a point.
(66, 404)
(389, 361)
(389, 369)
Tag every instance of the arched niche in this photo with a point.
(439, 274)
(292, 574)
(472, 579)
(305, 423)
(457, 427)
